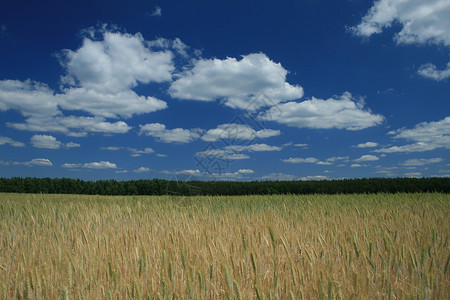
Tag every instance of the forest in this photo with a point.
(213, 188)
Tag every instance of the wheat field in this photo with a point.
(385, 246)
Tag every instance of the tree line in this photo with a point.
(175, 187)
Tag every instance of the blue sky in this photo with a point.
(225, 90)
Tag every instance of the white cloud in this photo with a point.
(324, 163)
(342, 113)
(298, 160)
(222, 154)
(367, 157)
(357, 165)
(100, 165)
(423, 21)
(35, 162)
(245, 171)
(304, 146)
(180, 47)
(71, 166)
(426, 136)
(430, 71)
(250, 83)
(142, 170)
(50, 142)
(189, 172)
(109, 105)
(253, 148)
(425, 132)
(367, 145)
(92, 165)
(313, 160)
(134, 152)
(29, 97)
(72, 145)
(157, 12)
(101, 75)
(9, 141)
(421, 161)
(177, 135)
(237, 132)
(117, 63)
(338, 158)
(41, 162)
(45, 141)
(99, 79)
(234, 152)
(232, 175)
(313, 177)
(71, 125)
(417, 147)
(176, 45)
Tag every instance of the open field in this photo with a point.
(352, 246)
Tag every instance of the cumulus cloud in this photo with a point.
(50, 142)
(313, 160)
(426, 136)
(42, 162)
(367, 157)
(72, 145)
(70, 166)
(357, 165)
(422, 21)
(367, 145)
(222, 154)
(115, 63)
(100, 165)
(189, 172)
(237, 132)
(92, 165)
(142, 170)
(72, 125)
(134, 152)
(421, 161)
(177, 135)
(101, 74)
(345, 112)
(298, 160)
(99, 103)
(99, 79)
(29, 97)
(245, 171)
(234, 152)
(175, 45)
(233, 175)
(250, 83)
(45, 141)
(225, 131)
(9, 141)
(252, 148)
(338, 158)
(430, 71)
(35, 162)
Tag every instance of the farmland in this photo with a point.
(268, 247)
